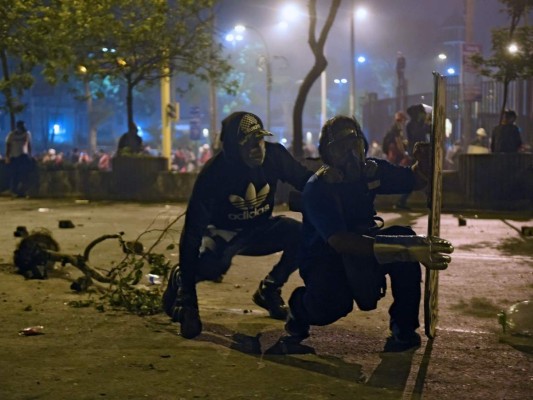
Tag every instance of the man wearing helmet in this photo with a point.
(230, 213)
(346, 253)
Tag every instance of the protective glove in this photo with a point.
(431, 251)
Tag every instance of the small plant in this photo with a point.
(124, 290)
(120, 286)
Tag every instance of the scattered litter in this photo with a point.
(43, 209)
(81, 201)
(21, 231)
(461, 220)
(66, 224)
(517, 324)
(153, 279)
(236, 286)
(32, 331)
(527, 230)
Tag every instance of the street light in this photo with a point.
(513, 48)
(239, 29)
(360, 14)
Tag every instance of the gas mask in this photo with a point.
(346, 150)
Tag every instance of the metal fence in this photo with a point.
(378, 114)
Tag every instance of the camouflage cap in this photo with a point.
(251, 126)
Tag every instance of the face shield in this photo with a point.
(347, 145)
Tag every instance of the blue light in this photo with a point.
(451, 71)
(361, 59)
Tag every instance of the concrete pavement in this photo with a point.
(236, 356)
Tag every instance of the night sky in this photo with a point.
(409, 26)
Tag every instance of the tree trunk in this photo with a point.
(129, 100)
(317, 47)
(305, 88)
(506, 83)
(90, 115)
(8, 94)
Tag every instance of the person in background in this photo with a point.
(130, 142)
(480, 144)
(395, 143)
(104, 160)
(375, 150)
(451, 159)
(506, 136)
(18, 158)
(418, 127)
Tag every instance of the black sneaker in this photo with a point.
(297, 330)
(402, 340)
(268, 296)
(190, 323)
(171, 292)
(182, 307)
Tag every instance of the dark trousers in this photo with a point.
(19, 170)
(278, 234)
(328, 296)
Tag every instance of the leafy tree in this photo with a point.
(23, 38)
(135, 42)
(504, 65)
(317, 47)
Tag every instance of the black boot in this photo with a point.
(401, 339)
(181, 305)
(297, 325)
(268, 296)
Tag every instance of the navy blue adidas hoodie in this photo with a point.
(230, 195)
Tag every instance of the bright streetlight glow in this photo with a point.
(239, 28)
(205, 132)
(442, 56)
(283, 25)
(513, 48)
(290, 12)
(234, 37)
(450, 71)
(361, 13)
(361, 59)
(339, 81)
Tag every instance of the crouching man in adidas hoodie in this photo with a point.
(230, 213)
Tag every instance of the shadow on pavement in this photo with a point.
(392, 373)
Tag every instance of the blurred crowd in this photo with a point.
(183, 159)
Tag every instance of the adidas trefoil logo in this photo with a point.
(250, 203)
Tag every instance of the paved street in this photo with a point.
(86, 354)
